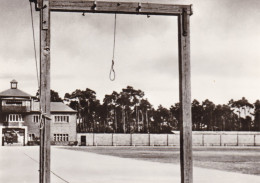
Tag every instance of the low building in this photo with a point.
(20, 119)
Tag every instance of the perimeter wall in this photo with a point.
(201, 138)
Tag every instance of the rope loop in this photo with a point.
(112, 73)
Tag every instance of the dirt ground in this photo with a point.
(20, 165)
(234, 159)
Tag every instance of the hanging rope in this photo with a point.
(35, 54)
(37, 70)
(112, 73)
(51, 170)
(41, 121)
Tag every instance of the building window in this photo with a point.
(61, 119)
(14, 118)
(36, 118)
(61, 137)
(31, 137)
(13, 103)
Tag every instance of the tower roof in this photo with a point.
(13, 81)
(14, 91)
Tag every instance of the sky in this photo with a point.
(225, 56)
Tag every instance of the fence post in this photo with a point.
(202, 139)
(149, 139)
(93, 139)
(254, 141)
(220, 139)
(237, 140)
(112, 139)
(131, 143)
(167, 139)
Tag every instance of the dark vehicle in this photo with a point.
(10, 138)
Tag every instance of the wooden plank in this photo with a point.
(45, 91)
(117, 7)
(185, 99)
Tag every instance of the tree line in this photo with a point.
(128, 111)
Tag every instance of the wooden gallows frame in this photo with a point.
(183, 12)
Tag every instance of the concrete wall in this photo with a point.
(229, 140)
(257, 140)
(140, 139)
(198, 139)
(173, 140)
(103, 139)
(211, 140)
(247, 140)
(158, 140)
(122, 139)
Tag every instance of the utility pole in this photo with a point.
(183, 12)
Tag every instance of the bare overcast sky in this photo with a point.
(225, 56)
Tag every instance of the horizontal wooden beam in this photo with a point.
(117, 7)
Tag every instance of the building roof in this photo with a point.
(55, 107)
(15, 93)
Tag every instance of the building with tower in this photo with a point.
(20, 119)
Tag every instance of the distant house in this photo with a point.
(20, 119)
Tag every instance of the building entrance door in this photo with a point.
(83, 140)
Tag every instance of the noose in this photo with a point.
(112, 73)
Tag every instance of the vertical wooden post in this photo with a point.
(185, 98)
(45, 90)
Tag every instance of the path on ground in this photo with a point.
(19, 165)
